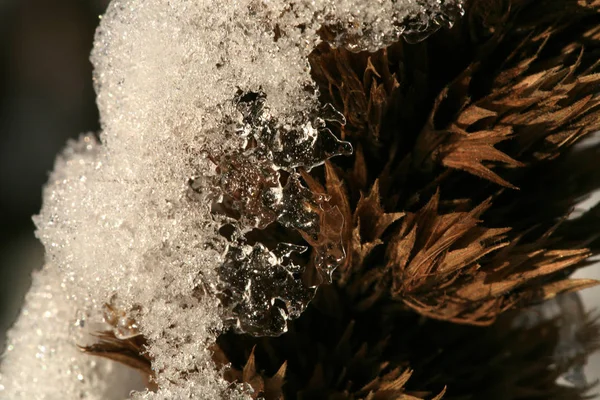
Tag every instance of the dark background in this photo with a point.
(46, 97)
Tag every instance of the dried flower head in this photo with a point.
(334, 200)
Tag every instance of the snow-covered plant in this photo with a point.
(337, 176)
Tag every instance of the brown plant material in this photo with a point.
(327, 360)
(130, 351)
(263, 387)
(518, 101)
(334, 351)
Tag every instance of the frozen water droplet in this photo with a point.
(80, 318)
(124, 327)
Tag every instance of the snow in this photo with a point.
(129, 219)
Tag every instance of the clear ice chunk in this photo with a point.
(259, 185)
(263, 288)
(250, 185)
(319, 223)
(307, 143)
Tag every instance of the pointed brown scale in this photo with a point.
(335, 235)
(330, 246)
(374, 221)
(360, 251)
(331, 69)
(455, 147)
(506, 113)
(398, 253)
(476, 362)
(553, 289)
(358, 176)
(535, 104)
(130, 352)
(558, 104)
(473, 114)
(274, 384)
(367, 226)
(337, 193)
(437, 262)
(535, 266)
(263, 386)
(431, 137)
(362, 86)
(376, 108)
(250, 376)
(555, 260)
(370, 73)
(472, 151)
(435, 236)
(389, 387)
(478, 243)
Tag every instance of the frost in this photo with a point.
(209, 118)
(42, 362)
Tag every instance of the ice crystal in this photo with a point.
(209, 116)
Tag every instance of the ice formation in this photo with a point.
(206, 121)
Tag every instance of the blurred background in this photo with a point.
(47, 97)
